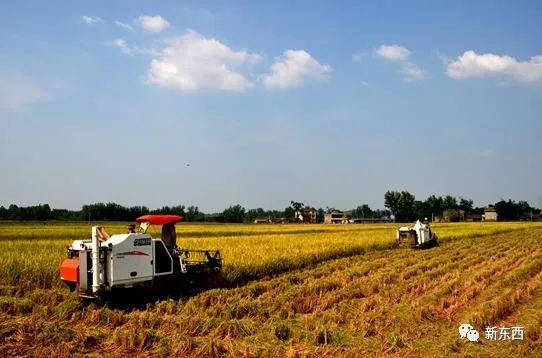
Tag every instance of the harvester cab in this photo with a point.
(419, 236)
(97, 266)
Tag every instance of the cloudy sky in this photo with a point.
(215, 103)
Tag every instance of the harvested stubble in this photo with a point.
(396, 301)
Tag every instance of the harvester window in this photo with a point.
(162, 258)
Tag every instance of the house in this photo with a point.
(452, 215)
(262, 221)
(490, 214)
(335, 217)
(473, 217)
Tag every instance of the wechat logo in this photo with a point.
(468, 331)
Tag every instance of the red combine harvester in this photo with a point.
(102, 264)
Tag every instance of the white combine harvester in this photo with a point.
(102, 264)
(420, 235)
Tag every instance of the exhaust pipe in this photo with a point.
(96, 269)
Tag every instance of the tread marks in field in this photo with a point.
(442, 270)
(377, 272)
(506, 295)
(474, 285)
(464, 290)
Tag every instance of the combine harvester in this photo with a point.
(101, 265)
(420, 235)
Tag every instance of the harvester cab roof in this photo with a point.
(104, 263)
(169, 235)
(146, 220)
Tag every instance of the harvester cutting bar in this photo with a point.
(202, 259)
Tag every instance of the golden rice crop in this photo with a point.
(398, 302)
(32, 253)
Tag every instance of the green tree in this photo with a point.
(422, 209)
(297, 206)
(434, 205)
(466, 205)
(363, 211)
(401, 204)
(289, 213)
(320, 215)
(234, 214)
(450, 202)
(511, 210)
(193, 214)
(253, 214)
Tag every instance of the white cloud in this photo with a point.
(89, 20)
(193, 62)
(471, 64)
(410, 72)
(393, 52)
(293, 68)
(122, 45)
(124, 26)
(153, 23)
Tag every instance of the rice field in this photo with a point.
(249, 251)
(293, 290)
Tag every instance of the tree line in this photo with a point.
(404, 207)
(401, 205)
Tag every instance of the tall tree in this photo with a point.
(363, 211)
(296, 205)
(450, 202)
(466, 205)
(320, 215)
(234, 214)
(435, 205)
(401, 204)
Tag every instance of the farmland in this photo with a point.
(289, 290)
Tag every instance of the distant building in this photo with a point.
(335, 217)
(370, 220)
(473, 217)
(262, 221)
(271, 220)
(490, 214)
(452, 215)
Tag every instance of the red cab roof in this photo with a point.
(159, 219)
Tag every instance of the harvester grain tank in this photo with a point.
(97, 266)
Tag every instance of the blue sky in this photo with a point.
(215, 103)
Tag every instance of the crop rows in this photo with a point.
(31, 254)
(398, 301)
